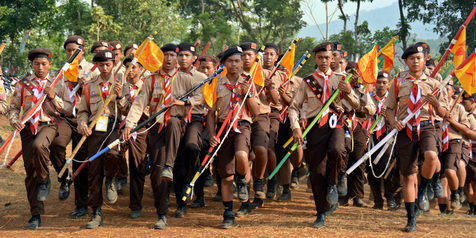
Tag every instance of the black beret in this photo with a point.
(104, 55)
(98, 44)
(272, 46)
(383, 74)
(208, 58)
(131, 46)
(326, 46)
(79, 40)
(170, 47)
(337, 46)
(116, 45)
(231, 51)
(467, 96)
(431, 62)
(457, 90)
(40, 53)
(249, 46)
(187, 47)
(425, 45)
(413, 49)
(350, 65)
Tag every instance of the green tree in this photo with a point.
(447, 15)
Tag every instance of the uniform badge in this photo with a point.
(118, 46)
(319, 96)
(192, 48)
(420, 49)
(80, 41)
(92, 93)
(337, 100)
(108, 55)
(156, 84)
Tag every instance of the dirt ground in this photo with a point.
(275, 219)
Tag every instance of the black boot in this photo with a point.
(258, 187)
(411, 218)
(34, 222)
(271, 193)
(320, 221)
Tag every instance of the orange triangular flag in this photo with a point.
(288, 58)
(367, 66)
(208, 90)
(73, 71)
(257, 73)
(388, 55)
(459, 49)
(151, 57)
(467, 75)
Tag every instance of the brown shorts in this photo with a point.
(452, 155)
(260, 131)
(465, 153)
(273, 130)
(233, 143)
(408, 151)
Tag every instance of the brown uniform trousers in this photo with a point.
(324, 155)
(137, 168)
(356, 179)
(35, 159)
(188, 161)
(108, 161)
(390, 184)
(66, 131)
(157, 151)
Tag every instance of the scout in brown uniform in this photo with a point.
(67, 130)
(356, 124)
(469, 103)
(286, 93)
(95, 93)
(270, 57)
(208, 67)
(409, 89)
(36, 135)
(187, 161)
(325, 141)
(121, 178)
(451, 157)
(336, 65)
(233, 155)
(392, 182)
(138, 145)
(161, 90)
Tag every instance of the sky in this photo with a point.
(319, 12)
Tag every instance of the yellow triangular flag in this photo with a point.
(467, 75)
(368, 67)
(151, 57)
(288, 58)
(73, 71)
(459, 49)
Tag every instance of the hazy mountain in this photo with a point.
(377, 19)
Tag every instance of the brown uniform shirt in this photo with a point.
(222, 105)
(427, 85)
(471, 124)
(198, 78)
(366, 104)
(152, 96)
(459, 115)
(262, 99)
(60, 104)
(277, 79)
(92, 101)
(304, 96)
(3, 99)
(129, 94)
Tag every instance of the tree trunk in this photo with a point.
(356, 23)
(344, 17)
(403, 37)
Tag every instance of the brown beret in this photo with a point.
(131, 46)
(116, 45)
(104, 55)
(326, 46)
(40, 53)
(100, 43)
(208, 58)
(79, 40)
(170, 47)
